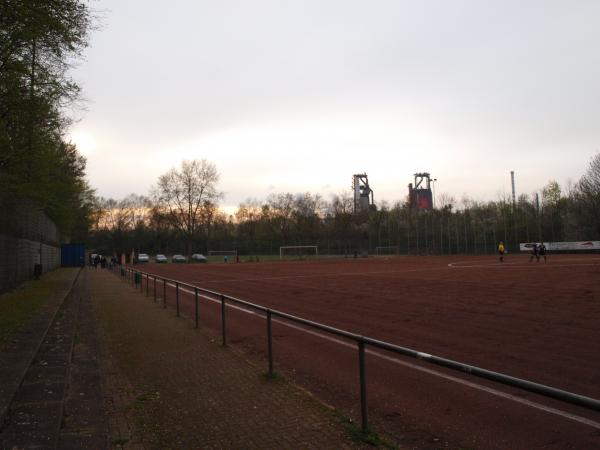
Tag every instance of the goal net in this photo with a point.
(298, 251)
(222, 252)
(390, 250)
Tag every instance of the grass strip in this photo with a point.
(19, 306)
(360, 437)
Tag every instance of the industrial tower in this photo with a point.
(363, 194)
(419, 196)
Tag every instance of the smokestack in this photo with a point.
(512, 182)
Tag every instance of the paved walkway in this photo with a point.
(172, 386)
(16, 355)
(50, 377)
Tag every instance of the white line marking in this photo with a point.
(453, 265)
(517, 265)
(497, 264)
(470, 384)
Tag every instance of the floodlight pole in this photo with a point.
(433, 181)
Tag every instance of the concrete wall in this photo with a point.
(27, 233)
(18, 256)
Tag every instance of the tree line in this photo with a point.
(38, 43)
(181, 215)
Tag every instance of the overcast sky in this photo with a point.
(296, 96)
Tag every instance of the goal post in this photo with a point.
(298, 251)
(386, 251)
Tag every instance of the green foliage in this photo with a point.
(551, 193)
(37, 42)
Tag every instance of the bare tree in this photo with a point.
(125, 214)
(280, 209)
(589, 184)
(116, 214)
(589, 197)
(446, 200)
(248, 217)
(341, 204)
(188, 197)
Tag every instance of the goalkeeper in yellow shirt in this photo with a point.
(501, 251)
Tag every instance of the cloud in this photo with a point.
(298, 96)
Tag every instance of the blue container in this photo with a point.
(72, 255)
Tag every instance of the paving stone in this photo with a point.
(45, 411)
(183, 390)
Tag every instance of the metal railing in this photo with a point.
(134, 276)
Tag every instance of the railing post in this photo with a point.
(196, 305)
(154, 289)
(177, 297)
(223, 320)
(141, 282)
(270, 342)
(147, 285)
(164, 293)
(363, 386)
